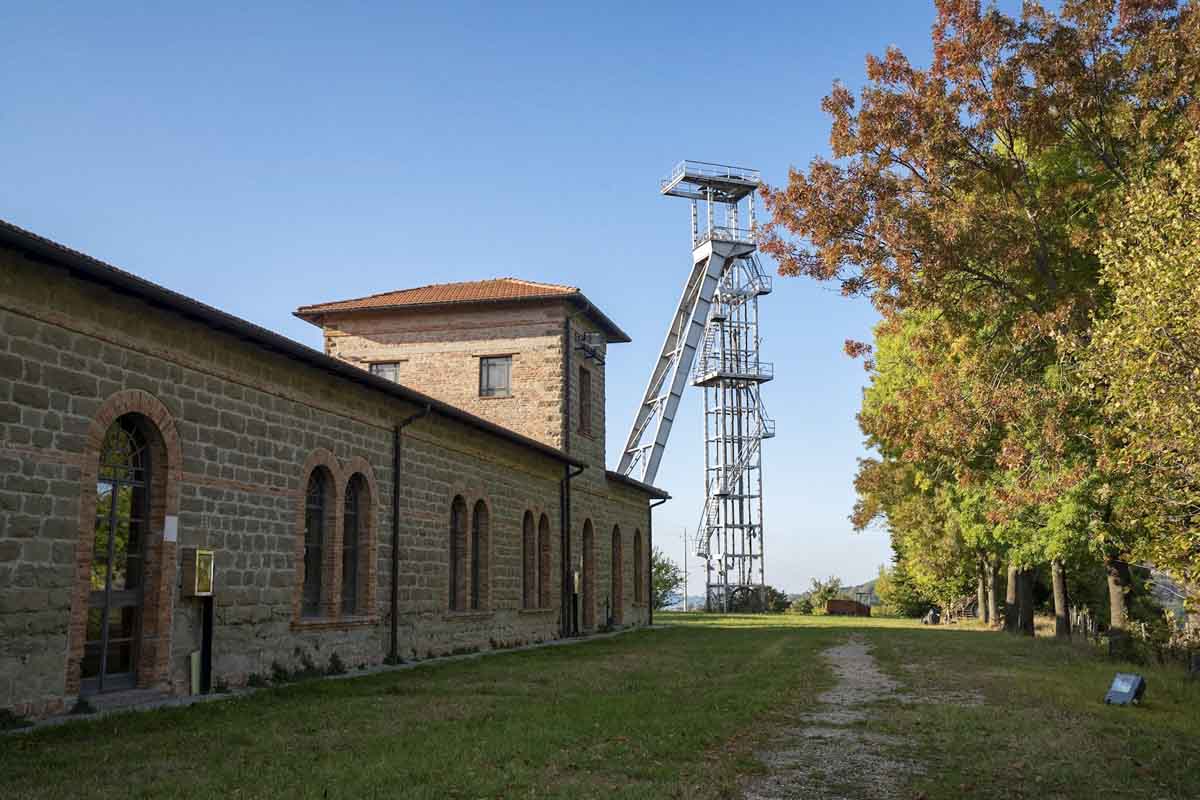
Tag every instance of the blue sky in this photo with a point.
(261, 156)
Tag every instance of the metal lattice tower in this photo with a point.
(713, 339)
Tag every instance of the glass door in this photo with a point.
(115, 599)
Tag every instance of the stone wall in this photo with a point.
(248, 425)
(439, 354)
(439, 351)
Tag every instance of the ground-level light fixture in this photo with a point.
(1127, 688)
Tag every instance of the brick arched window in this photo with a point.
(319, 523)
(458, 552)
(529, 562)
(125, 562)
(479, 556)
(124, 491)
(639, 569)
(617, 567)
(589, 574)
(356, 541)
(543, 587)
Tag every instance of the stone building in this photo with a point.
(455, 500)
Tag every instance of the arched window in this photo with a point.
(639, 569)
(458, 547)
(479, 551)
(115, 600)
(317, 518)
(355, 523)
(543, 588)
(589, 575)
(618, 576)
(529, 562)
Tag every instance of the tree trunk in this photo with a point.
(1010, 601)
(1062, 611)
(1025, 600)
(1120, 581)
(981, 610)
(994, 601)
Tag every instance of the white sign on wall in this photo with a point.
(171, 528)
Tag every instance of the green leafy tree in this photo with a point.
(897, 592)
(777, 601)
(1144, 357)
(666, 578)
(823, 591)
(801, 605)
(969, 201)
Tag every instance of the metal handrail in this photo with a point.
(707, 169)
(708, 363)
(723, 233)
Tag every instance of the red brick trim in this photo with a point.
(154, 650)
(529, 560)
(331, 578)
(639, 568)
(546, 583)
(468, 616)
(487, 536)
(345, 623)
(368, 550)
(470, 494)
(587, 548)
(617, 574)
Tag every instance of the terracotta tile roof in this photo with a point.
(494, 290)
(437, 293)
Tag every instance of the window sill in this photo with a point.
(467, 616)
(536, 611)
(497, 397)
(326, 624)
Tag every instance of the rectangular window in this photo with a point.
(387, 369)
(585, 401)
(495, 375)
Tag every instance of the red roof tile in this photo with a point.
(438, 293)
(494, 290)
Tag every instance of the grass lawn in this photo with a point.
(674, 712)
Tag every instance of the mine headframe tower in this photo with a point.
(713, 340)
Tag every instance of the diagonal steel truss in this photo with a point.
(652, 425)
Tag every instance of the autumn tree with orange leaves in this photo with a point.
(968, 201)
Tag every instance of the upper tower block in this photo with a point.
(524, 354)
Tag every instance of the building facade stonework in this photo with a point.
(137, 426)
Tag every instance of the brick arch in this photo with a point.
(617, 576)
(330, 580)
(639, 569)
(368, 549)
(529, 559)
(587, 549)
(456, 551)
(482, 558)
(545, 544)
(154, 646)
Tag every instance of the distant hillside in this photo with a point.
(868, 589)
(851, 593)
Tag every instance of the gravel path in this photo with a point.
(833, 754)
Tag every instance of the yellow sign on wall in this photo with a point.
(199, 572)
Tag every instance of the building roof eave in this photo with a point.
(653, 491)
(43, 249)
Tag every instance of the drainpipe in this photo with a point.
(650, 559)
(564, 516)
(397, 464)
